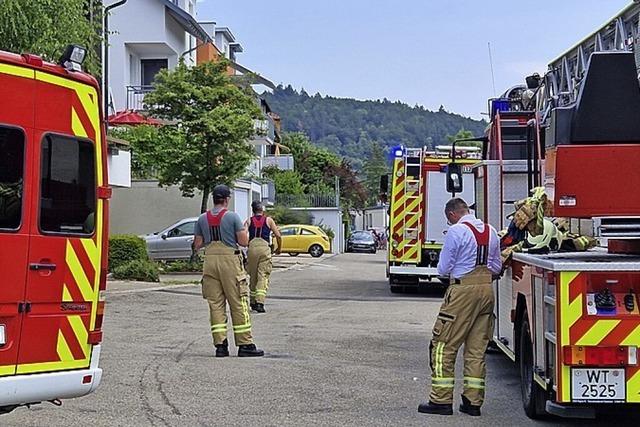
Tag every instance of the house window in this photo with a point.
(11, 176)
(150, 68)
(67, 185)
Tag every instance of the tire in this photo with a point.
(533, 396)
(374, 251)
(396, 289)
(293, 254)
(316, 251)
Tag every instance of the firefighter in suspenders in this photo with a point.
(224, 279)
(259, 261)
(470, 257)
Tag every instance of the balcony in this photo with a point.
(265, 131)
(135, 97)
(284, 163)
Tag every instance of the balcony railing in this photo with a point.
(284, 163)
(307, 200)
(135, 97)
(265, 131)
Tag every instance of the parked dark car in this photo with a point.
(362, 241)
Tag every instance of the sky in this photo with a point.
(426, 52)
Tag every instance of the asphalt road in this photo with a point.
(341, 351)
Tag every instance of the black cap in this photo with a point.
(256, 206)
(221, 192)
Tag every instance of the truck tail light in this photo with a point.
(95, 336)
(575, 355)
(103, 279)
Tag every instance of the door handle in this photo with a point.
(42, 266)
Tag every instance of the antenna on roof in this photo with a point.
(493, 77)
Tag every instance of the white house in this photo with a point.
(147, 36)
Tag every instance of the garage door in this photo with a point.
(241, 203)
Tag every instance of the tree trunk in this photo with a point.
(205, 198)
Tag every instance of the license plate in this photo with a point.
(3, 338)
(598, 385)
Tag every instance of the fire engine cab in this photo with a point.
(571, 320)
(53, 229)
(417, 224)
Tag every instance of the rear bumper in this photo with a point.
(569, 411)
(23, 389)
(413, 270)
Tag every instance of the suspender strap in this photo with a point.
(482, 239)
(214, 221)
(257, 223)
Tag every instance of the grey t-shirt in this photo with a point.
(230, 225)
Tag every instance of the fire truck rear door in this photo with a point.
(16, 134)
(64, 258)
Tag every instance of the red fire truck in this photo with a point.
(53, 229)
(571, 320)
(417, 224)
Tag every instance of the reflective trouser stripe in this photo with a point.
(471, 382)
(443, 382)
(260, 292)
(221, 327)
(438, 361)
(242, 328)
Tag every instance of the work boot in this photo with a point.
(253, 306)
(259, 307)
(468, 408)
(436, 408)
(222, 350)
(249, 350)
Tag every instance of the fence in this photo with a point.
(307, 200)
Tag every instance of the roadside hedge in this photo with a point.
(126, 248)
(138, 270)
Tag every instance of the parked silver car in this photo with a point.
(174, 242)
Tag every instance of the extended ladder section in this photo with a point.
(621, 33)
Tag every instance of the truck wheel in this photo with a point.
(533, 396)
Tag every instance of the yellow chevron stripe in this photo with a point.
(7, 370)
(66, 295)
(633, 388)
(86, 289)
(14, 70)
(92, 252)
(570, 312)
(76, 125)
(598, 332)
(80, 332)
(64, 352)
(633, 338)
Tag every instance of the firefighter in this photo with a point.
(470, 257)
(224, 279)
(259, 257)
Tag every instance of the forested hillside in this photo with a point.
(348, 126)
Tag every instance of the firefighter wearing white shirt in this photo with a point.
(470, 257)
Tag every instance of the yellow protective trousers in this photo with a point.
(466, 317)
(225, 281)
(260, 265)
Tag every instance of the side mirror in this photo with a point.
(454, 178)
(164, 236)
(384, 188)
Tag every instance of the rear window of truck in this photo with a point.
(11, 177)
(67, 185)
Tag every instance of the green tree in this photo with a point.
(374, 167)
(212, 121)
(310, 161)
(463, 134)
(46, 27)
(353, 194)
(146, 151)
(286, 182)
